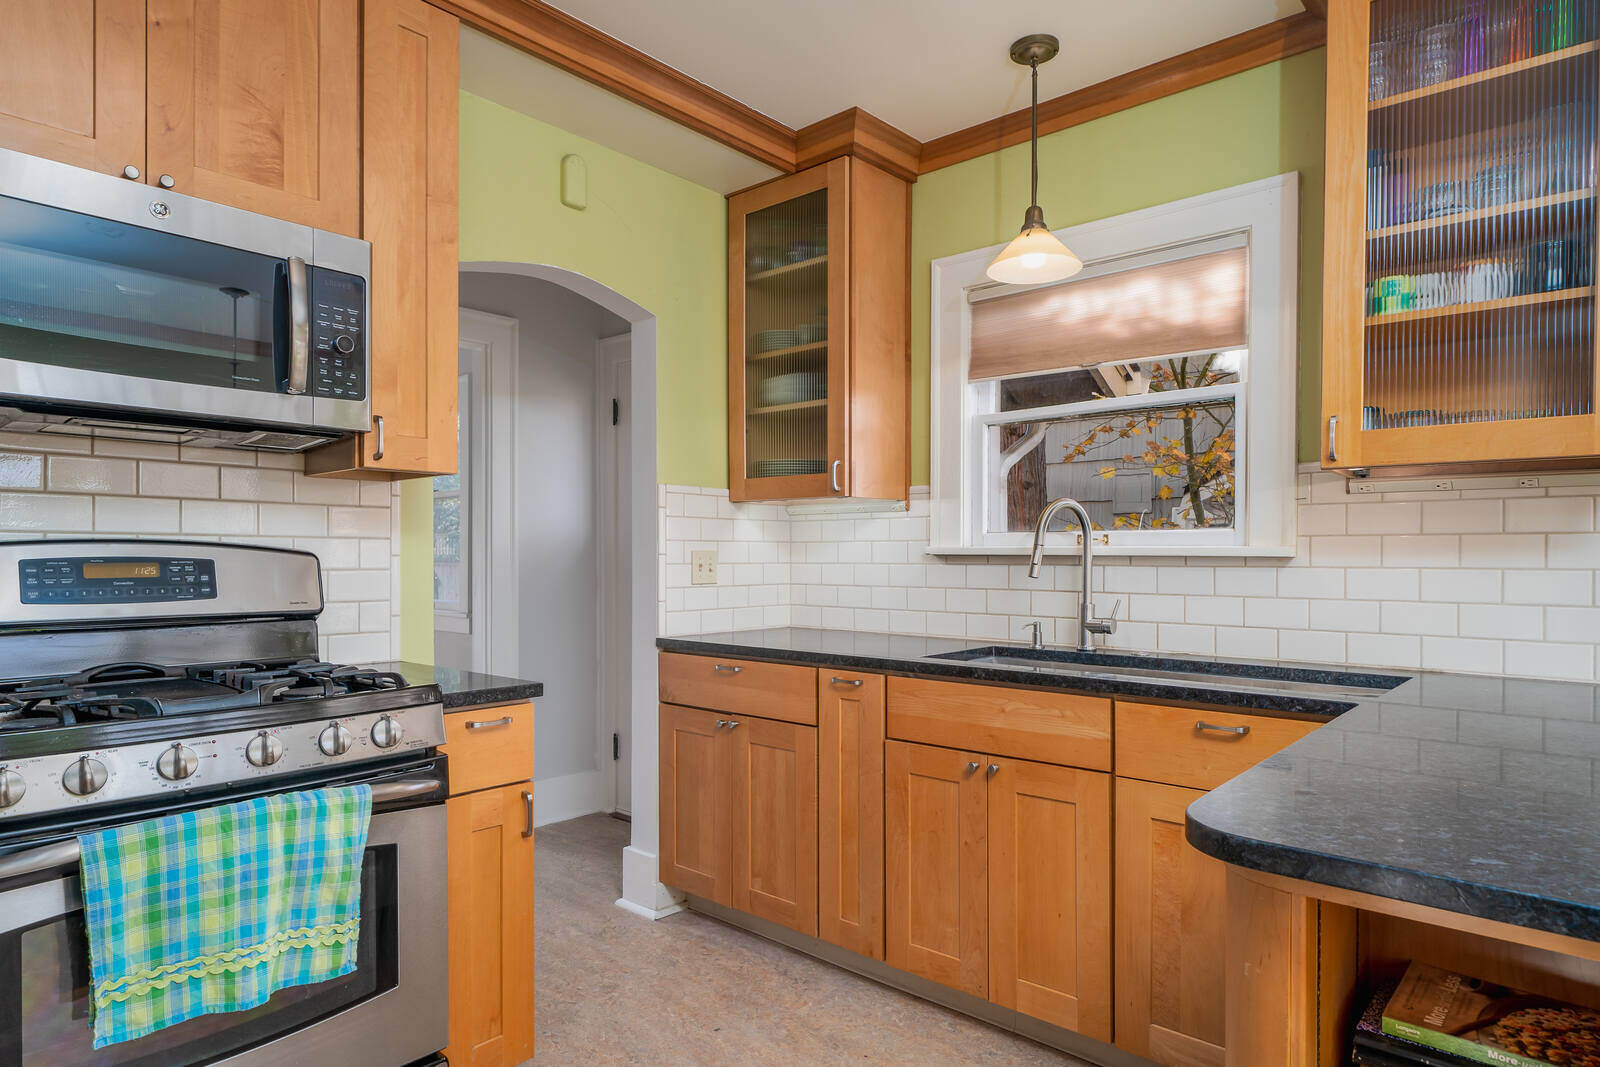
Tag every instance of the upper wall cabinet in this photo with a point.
(259, 106)
(819, 335)
(255, 105)
(72, 82)
(1460, 304)
(409, 97)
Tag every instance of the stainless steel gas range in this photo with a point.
(139, 678)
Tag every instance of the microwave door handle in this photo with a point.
(299, 326)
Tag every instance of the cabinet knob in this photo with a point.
(994, 769)
(131, 172)
(732, 724)
(166, 181)
(972, 768)
(721, 723)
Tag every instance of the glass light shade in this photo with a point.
(1034, 256)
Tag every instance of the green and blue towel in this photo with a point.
(215, 910)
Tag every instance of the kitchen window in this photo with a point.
(1156, 387)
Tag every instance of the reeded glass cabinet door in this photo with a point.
(788, 328)
(1459, 315)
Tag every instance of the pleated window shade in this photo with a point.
(1184, 305)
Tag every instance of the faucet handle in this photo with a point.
(1116, 607)
(1107, 625)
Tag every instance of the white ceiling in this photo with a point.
(929, 67)
(516, 80)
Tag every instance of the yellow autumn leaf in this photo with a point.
(1164, 493)
(1108, 472)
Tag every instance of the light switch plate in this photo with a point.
(703, 567)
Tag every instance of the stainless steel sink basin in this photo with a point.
(1265, 678)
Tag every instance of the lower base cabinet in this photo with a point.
(999, 881)
(1171, 931)
(490, 885)
(739, 813)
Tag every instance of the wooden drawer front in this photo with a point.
(782, 691)
(489, 746)
(1164, 744)
(1062, 728)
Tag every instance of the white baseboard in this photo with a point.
(642, 892)
(567, 797)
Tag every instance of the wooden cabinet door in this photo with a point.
(72, 81)
(491, 926)
(1171, 923)
(936, 825)
(1050, 893)
(695, 794)
(774, 820)
(850, 713)
(410, 103)
(259, 106)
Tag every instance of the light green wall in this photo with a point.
(657, 239)
(1252, 125)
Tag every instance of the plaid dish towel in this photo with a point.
(215, 910)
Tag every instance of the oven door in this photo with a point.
(392, 1009)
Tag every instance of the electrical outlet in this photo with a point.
(703, 567)
(1528, 483)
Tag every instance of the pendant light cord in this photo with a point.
(1034, 127)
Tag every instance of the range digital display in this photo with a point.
(122, 570)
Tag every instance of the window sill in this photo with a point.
(1101, 551)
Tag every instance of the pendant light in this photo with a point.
(1034, 255)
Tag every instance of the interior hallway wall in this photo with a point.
(554, 443)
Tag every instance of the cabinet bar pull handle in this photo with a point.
(833, 476)
(485, 723)
(1333, 451)
(1236, 731)
(527, 804)
(299, 327)
(972, 768)
(994, 769)
(725, 668)
(855, 682)
(377, 451)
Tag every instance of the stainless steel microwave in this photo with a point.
(129, 311)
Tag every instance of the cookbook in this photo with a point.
(1491, 1024)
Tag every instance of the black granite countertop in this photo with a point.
(464, 689)
(1473, 794)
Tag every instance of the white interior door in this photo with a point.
(616, 572)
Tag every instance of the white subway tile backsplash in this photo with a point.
(135, 515)
(41, 513)
(194, 480)
(258, 484)
(92, 474)
(1454, 580)
(219, 517)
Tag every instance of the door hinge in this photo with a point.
(616, 746)
(616, 411)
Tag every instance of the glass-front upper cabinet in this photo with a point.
(1459, 299)
(817, 338)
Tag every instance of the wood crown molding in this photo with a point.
(1231, 55)
(596, 57)
(578, 48)
(865, 136)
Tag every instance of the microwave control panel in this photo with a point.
(338, 335)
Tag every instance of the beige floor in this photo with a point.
(613, 988)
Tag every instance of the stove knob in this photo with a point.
(11, 788)
(386, 733)
(335, 740)
(263, 750)
(84, 776)
(177, 763)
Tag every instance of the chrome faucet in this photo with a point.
(1088, 626)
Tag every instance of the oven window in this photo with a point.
(45, 995)
(93, 294)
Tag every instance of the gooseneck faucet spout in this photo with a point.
(1088, 626)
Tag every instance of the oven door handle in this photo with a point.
(67, 854)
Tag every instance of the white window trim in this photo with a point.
(1267, 212)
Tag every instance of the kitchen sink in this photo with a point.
(1177, 670)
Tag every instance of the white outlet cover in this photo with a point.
(703, 567)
